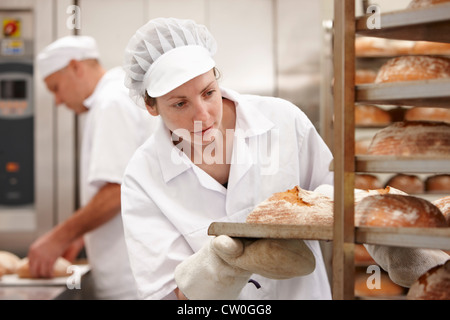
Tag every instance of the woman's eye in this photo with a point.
(210, 92)
(179, 104)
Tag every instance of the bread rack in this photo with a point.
(432, 24)
(427, 24)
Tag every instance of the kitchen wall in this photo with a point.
(268, 47)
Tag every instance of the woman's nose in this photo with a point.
(200, 112)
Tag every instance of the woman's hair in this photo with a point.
(151, 102)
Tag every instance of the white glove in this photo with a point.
(406, 265)
(222, 268)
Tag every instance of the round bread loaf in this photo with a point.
(414, 4)
(365, 76)
(393, 210)
(411, 68)
(367, 115)
(367, 181)
(408, 183)
(412, 138)
(9, 262)
(381, 47)
(438, 183)
(59, 268)
(427, 114)
(444, 205)
(362, 257)
(295, 206)
(433, 285)
(362, 145)
(428, 47)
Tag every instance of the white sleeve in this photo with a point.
(114, 141)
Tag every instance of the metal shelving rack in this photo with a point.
(428, 24)
(343, 232)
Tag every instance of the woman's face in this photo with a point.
(193, 111)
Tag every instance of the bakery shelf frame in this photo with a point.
(425, 24)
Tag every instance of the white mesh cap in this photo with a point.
(59, 53)
(165, 53)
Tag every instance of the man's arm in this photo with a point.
(46, 249)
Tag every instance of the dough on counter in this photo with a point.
(8, 262)
(59, 268)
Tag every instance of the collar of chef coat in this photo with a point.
(249, 121)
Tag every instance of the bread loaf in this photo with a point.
(427, 114)
(303, 207)
(381, 47)
(439, 183)
(8, 262)
(368, 115)
(444, 205)
(414, 4)
(365, 76)
(411, 68)
(415, 138)
(408, 183)
(393, 210)
(295, 206)
(433, 48)
(433, 285)
(362, 145)
(59, 268)
(367, 181)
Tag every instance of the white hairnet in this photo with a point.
(59, 53)
(165, 53)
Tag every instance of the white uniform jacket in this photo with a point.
(114, 127)
(168, 203)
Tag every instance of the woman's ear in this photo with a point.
(152, 110)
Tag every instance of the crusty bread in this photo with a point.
(365, 76)
(428, 47)
(433, 285)
(439, 183)
(367, 181)
(368, 115)
(411, 68)
(394, 210)
(444, 205)
(295, 206)
(408, 183)
(412, 138)
(59, 268)
(8, 262)
(427, 114)
(414, 4)
(302, 207)
(381, 47)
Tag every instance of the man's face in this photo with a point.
(66, 88)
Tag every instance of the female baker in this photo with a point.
(215, 156)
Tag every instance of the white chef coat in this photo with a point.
(113, 129)
(168, 203)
